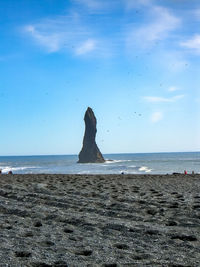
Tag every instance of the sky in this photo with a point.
(136, 63)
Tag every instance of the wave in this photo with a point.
(13, 169)
(109, 161)
(145, 169)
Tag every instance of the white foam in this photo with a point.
(116, 161)
(145, 169)
(9, 168)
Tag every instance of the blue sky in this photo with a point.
(135, 62)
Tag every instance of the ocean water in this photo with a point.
(140, 163)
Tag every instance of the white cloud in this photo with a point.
(86, 47)
(110, 5)
(156, 116)
(51, 41)
(172, 60)
(163, 23)
(197, 13)
(130, 4)
(168, 59)
(173, 88)
(95, 5)
(157, 99)
(62, 33)
(193, 43)
(78, 34)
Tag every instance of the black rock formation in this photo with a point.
(90, 152)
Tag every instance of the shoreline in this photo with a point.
(99, 220)
(100, 175)
(90, 175)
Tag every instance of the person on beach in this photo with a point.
(10, 172)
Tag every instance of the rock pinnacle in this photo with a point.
(90, 152)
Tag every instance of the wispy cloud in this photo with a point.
(172, 60)
(156, 116)
(96, 6)
(86, 47)
(130, 4)
(51, 41)
(93, 4)
(62, 33)
(197, 13)
(173, 88)
(197, 100)
(193, 44)
(76, 33)
(163, 23)
(157, 99)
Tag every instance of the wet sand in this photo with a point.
(99, 220)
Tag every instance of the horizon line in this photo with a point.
(43, 155)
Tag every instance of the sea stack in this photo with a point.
(90, 152)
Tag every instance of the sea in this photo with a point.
(133, 163)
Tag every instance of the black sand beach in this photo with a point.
(99, 220)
